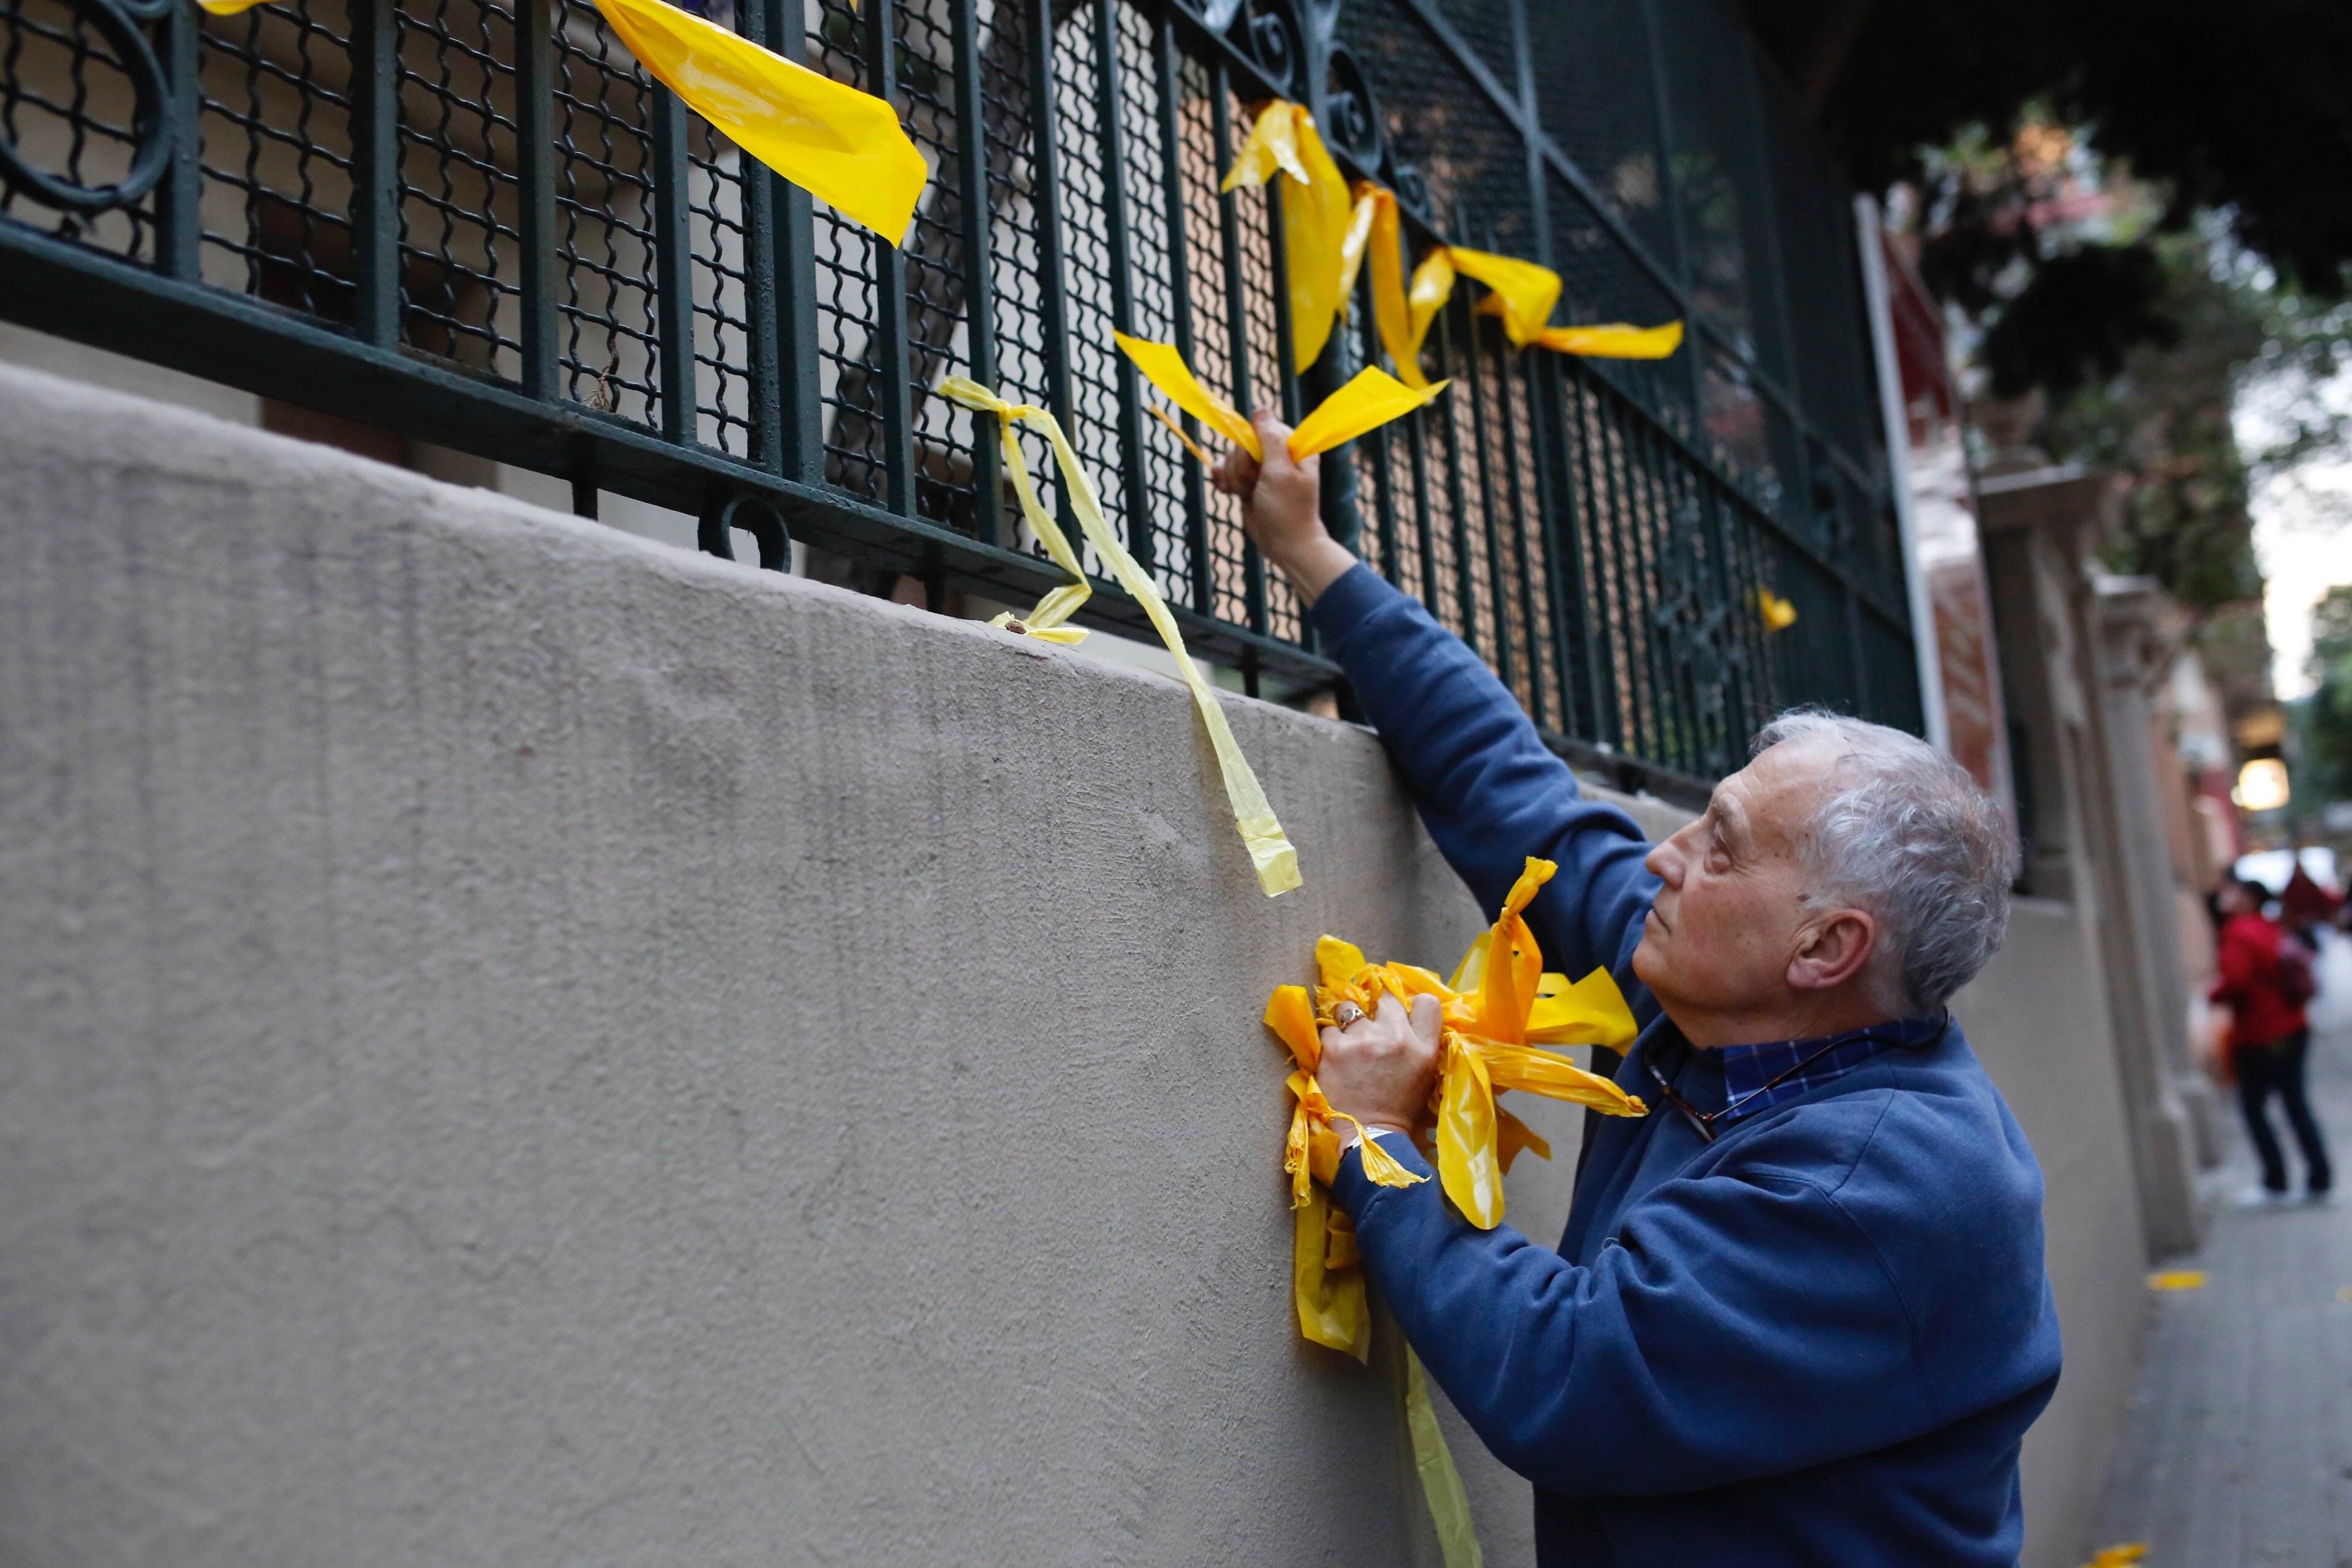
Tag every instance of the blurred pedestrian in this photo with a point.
(2305, 907)
(2265, 980)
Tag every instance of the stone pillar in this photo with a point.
(2077, 814)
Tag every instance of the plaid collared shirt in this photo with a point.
(1748, 1069)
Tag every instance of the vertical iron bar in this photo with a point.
(1656, 718)
(1180, 288)
(1670, 193)
(1587, 542)
(1425, 533)
(801, 411)
(375, 171)
(672, 268)
(1498, 598)
(1054, 303)
(1385, 509)
(1285, 348)
(1622, 634)
(1140, 540)
(890, 326)
(535, 154)
(1508, 427)
(1465, 593)
(1669, 673)
(1557, 539)
(980, 277)
(1221, 121)
(757, 18)
(179, 217)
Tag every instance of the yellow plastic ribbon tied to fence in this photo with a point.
(1270, 851)
(844, 147)
(1521, 292)
(1368, 401)
(1315, 216)
(1497, 1008)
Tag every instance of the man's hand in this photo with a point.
(1381, 1068)
(1282, 508)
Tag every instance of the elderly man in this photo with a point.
(1799, 1314)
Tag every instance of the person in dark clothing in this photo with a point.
(1799, 1314)
(2268, 1039)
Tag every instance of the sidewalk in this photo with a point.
(2239, 1448)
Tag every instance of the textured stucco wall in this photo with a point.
(521, 1046)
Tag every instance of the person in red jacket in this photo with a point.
(2269, 1038)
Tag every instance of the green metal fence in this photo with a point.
(477, 222)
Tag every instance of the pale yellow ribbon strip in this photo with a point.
(1271, 854)
(1315, 217)
(1369, 400)
(844, 147)
(1441, 1483)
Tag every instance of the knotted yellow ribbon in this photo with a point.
(1315, 216)
(1370, 399)
(1495, 1012)
(1778, 614)
(1521, 292)
(1271, 854)
(844, 147)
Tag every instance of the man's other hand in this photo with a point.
(1381, 1067)
(1282, 508)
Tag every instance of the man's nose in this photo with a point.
(1664, 864)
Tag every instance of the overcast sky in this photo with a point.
(2303, 525)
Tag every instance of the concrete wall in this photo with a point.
(523, 1046)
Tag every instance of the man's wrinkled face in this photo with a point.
(1720, 935)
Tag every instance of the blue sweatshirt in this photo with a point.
(1818, 1339)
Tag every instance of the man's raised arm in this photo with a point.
(1490, 791)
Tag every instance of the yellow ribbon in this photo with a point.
(1370, 399)
(1521, 292)
(1615, 341)
(1441, 1483)
(1778, 614)
(844, 147)
(1315, 217)
(1271, 854)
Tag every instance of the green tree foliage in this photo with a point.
(2160, 420)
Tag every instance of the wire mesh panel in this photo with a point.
(483, 223)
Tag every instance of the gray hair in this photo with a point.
(1907, 834)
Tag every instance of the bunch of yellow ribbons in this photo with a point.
(1498, 1007)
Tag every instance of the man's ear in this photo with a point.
(1835, 951)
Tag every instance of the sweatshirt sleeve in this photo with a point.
(1489, 790)
(1735, 1327)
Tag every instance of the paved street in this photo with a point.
(2239, 1448)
